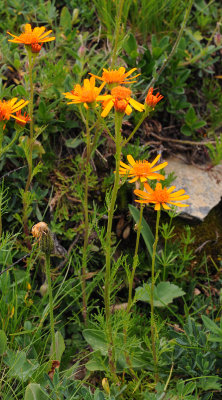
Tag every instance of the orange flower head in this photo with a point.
(141, 170)
(22, 119)
(161, 197)
(119, 99)
(152, 100)
(9, 107)
(32, 36)
(114, 77)
(86, 94)
(36, 47)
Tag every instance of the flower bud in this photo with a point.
(43, 289)
(42, 232)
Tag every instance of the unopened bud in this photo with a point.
(43, 289)
(42, 232)
(105, 385)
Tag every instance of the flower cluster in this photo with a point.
(34, 38)
(10, 107)
(119, 97)
(144, 170)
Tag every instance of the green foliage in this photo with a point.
(35, 392)
(164, 293)
(188, 343)
(145, 230)
(215, 152)
(192, 123)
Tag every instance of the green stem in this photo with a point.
(152, 320)
(31, 142)
(86, 219)
(52, 329)
(6, 148)
(116, 34)
(103, 122)
(118, 138)
(135, 258)
(144, 115)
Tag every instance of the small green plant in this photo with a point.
(215, 151)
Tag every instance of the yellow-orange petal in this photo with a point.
(108, 108)
(165, 206)
(131, 160)
(148, 188)
(124, 165)
(138, 106)
(134, 179)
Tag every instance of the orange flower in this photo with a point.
(30, 37)
(152, 100)
(86, 94)
(160, 197)
(142, 170)
(22, 119)
(120, 99)
(114, 77)
(7, 108)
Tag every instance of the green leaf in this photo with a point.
(164, 293)
(198, 124)
(94, 365)
(211, 326)
(145, 231)
(130, 46)
(73, 143)
(65, 19)
(96, 340)
(210, 383)
(186, 130)
(19, 367)
(60, 346)
(3, 342)
(190, 116)
(35, 392)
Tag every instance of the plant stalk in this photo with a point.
(86, 220)
(111, 206)
(152, 320)
(52, 329)
(135, 258)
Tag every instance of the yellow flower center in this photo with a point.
(5, 110)
(85, 95)
(161, 195)
(142, 168)
(121, 93)
(29, 38)
(113, 76)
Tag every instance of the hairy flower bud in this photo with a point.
(42, 232)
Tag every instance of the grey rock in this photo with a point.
(202, 184)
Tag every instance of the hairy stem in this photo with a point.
(111, 206)
(52, 329)
(135, 258)
(86, 220)
(152, 320)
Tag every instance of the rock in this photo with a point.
(203, 184)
